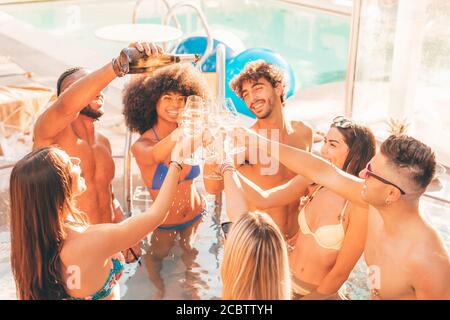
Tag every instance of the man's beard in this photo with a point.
(88, 111)
(265, 115)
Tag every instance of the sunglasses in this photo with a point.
(342, 122)
(369, 173)
(225, 228)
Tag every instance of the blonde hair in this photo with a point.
(255, 263)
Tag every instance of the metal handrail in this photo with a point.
(312, 5)
(127, 183)
(209, 43)
(352, 58)
(138, 5)
(220, 70)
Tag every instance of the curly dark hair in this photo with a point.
(407, 152)
(141, 95)
(256, 70)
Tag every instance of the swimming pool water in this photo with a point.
(316, 47)
(199, 277)
(314, 44)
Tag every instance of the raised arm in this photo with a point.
(66, 108)
(236, 203)
(120, 236)
(275, 197)
(310, 166)
(68, 105)
(148, 153)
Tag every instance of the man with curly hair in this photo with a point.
(69, 123)
(152, 107)
(262, 86)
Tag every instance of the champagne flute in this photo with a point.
(230, 120)
(193, 120)
(212, 154)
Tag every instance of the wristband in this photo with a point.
(121, 64)
(179, 166)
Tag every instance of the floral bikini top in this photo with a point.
(113, 278)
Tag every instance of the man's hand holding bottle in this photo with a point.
(121, 64)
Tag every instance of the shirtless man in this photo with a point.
(262, 87)
(405, 254)
(69, 123)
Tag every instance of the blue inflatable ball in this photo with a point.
(197, 45)
(237, 64)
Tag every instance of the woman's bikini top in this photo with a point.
(114, 275)
(161, 172)
(328, 236)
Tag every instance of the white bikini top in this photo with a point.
(329, 236)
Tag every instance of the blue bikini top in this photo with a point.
(161, 172)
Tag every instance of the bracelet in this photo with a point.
(120, 69)
(179, 166)
(116, 68)
(226, 166)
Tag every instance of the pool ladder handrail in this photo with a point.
(138, 4)
(128, 190)
(209, 44)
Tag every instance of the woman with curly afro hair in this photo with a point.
(152, 105)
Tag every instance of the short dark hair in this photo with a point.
(256, 70)
(141, 95)
(407, 152)
(63, 76)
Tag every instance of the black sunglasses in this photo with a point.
(369, 173)
(225, 228)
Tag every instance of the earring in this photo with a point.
(388, 202)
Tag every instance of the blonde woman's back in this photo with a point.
(255, 264)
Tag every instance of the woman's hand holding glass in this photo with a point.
(213, 139)
(185, 147)
(193, 120)
(229, 118)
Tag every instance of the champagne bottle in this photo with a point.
(139, 62)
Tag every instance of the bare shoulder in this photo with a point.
(429, 254)
(143, 142)
(429, 249)
(87, 241)
(301, 128)
(103, 140)
(302, 134)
